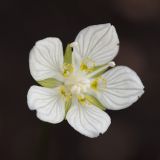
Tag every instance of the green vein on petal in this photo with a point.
(49, 83)
(94, 101)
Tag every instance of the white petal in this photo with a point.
(46, 59)
(47, 102)
(88, 120)
(123, 88)
(98, 43)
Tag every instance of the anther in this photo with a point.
(73, 44)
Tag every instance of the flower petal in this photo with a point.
(123, 88)
(48, 103)
(46, 59)
(98, 43)
(88, 120)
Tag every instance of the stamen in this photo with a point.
(110, 64)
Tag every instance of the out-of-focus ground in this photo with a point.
(134, 133)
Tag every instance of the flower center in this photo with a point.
(77, 84)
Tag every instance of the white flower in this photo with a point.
(83, 83)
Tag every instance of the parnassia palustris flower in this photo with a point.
(84, 82)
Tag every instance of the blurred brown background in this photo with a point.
(134, 133)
